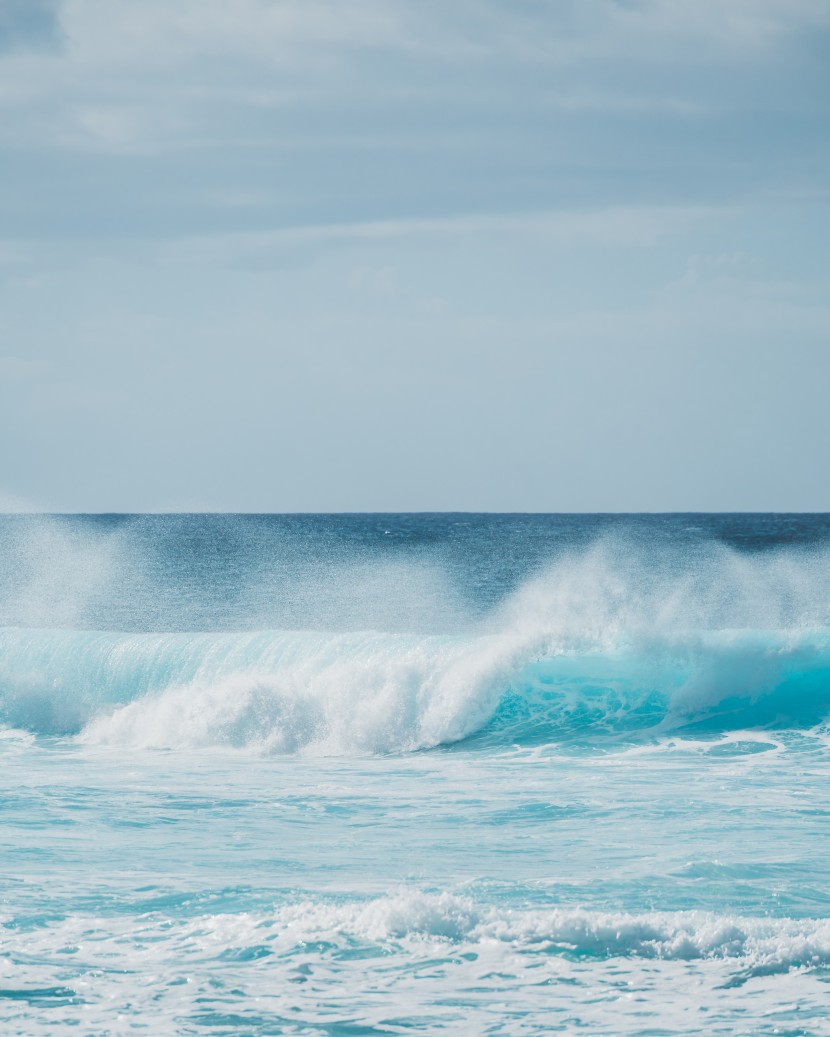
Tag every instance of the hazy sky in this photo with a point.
(290, 255)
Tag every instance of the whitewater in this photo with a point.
(381, 774)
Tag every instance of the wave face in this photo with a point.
(378, 693)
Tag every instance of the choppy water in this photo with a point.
(392, 774)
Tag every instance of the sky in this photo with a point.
(390, 255)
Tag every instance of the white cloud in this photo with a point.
(616, 226)
(721, 268)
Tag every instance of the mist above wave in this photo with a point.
(411, 573)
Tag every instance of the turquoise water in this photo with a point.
(393, 774)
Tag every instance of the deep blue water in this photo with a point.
(350, 774)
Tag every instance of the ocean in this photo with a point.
(393, 774)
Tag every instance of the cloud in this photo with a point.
(723, 24)
(607, 227)
(156, 32)
(290, 32)
(161, 77)
(657, 31)
(29, 25)
(724, 268)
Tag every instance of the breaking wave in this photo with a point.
(764, 945)
(293, 691)
(614, 643)
(425, 922)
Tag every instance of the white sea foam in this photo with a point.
(417, 922)
(770, 944)
(414, 958)
(368, 695)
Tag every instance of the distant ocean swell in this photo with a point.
(300, 691)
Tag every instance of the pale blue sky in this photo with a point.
(289, 255)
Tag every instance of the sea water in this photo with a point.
(397, 774)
